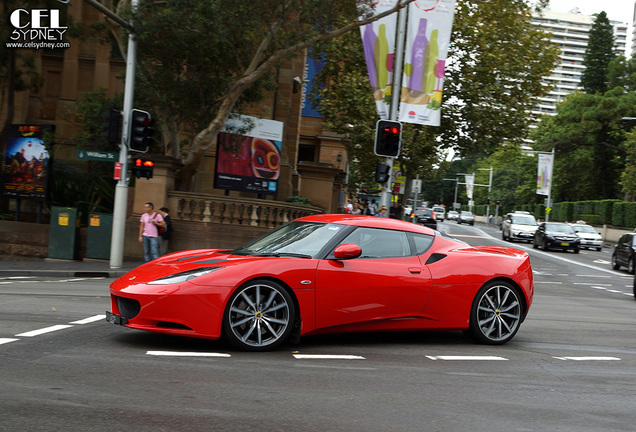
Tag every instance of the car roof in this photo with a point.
(369, 222)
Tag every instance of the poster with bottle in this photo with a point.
(430, 23)
(544, 174)
(378, 40)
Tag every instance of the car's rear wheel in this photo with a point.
(259, 316)
(496, 313)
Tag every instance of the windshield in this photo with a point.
(560, 228)
(524, 220)
(304, 239)
(585, 229)
(465, 213)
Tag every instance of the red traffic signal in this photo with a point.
(388, 137)
(142, 167)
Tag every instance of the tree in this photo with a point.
(200, 59)
(488, 93)
(598, 55)
(589, 140)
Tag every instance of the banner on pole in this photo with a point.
(378, 40)
(544, 174)
(430, 24)
(470, 184)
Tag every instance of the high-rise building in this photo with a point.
(570, 32)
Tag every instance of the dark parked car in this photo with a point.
(425, 217)
(466, 217)
(556, 235)
(625, 253)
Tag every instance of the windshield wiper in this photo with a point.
(282, 254)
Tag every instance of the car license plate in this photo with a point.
(565, 244)
(115, 319)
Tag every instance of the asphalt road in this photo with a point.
(571, 367)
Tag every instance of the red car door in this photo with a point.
(385, 282)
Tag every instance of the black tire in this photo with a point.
(598, 249)
(496, 313)
(631, 266)
(259, 316)
(615, 264)
(575, 250)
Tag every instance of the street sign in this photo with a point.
(98, 155)
(548, 209)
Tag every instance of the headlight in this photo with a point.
(183, 276)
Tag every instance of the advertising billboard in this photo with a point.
(27, 163)
(248, 155)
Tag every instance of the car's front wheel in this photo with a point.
(259, 316)
(496, 313)
(615, 264)
(631, 266)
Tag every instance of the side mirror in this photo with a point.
(347, 251)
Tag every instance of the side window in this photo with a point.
(422, 243)
(378, 243)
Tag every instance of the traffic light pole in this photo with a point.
(396, 87)
(121, 190)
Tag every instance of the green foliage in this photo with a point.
(589, 141)
(85, 191)
(598, 55)
(624, 214)
(299, 200)
(489, 92)
(628, 176)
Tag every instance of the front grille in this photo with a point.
(128, 308)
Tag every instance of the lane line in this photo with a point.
(90, 319)
(327, 357)
(478, 358)
(186, 354)
(588, 358)
(7, 340)
(44, 330)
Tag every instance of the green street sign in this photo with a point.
(98, 155)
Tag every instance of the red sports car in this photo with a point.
(329, 274)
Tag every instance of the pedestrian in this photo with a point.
(348, 207)
(164, 234)
(382, 212)
(148, 231)
(356, 209)
(395, 210)
(373, 208)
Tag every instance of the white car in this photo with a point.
(590, 239)
(519, 226)
(440, 213)
(452, 215)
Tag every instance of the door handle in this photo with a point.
(415, 270)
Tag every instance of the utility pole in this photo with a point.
(121, 190)
(385, 195)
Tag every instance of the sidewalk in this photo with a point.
(62, 268)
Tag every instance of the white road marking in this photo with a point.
(7, 340)
(589, 358)
(44, 330)
(548, 282)
(90, 319)
(186, 354)
(327, 357)
(479, 358)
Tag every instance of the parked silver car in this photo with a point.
(590, 238)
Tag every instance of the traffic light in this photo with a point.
(498, 202)
(388, 134)
(488, 201)
(142, 167)
(112, 127)
(141, 131)
(382, 172)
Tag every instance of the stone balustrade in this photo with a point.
(190, 206)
